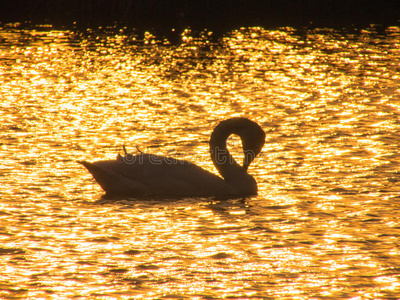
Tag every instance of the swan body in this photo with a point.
(147, 175)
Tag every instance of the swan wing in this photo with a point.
(104, 172)
(150, 175)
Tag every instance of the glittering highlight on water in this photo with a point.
(324, 225)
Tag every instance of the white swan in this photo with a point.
(147, 175)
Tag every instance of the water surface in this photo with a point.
(325, 223)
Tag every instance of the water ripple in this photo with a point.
(324, 224)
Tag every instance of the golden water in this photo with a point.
(326, 222)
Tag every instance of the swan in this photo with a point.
(147, 175)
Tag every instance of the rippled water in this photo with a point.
(326, 221)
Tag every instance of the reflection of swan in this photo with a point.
(147, 175)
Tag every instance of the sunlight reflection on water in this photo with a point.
(324, 224)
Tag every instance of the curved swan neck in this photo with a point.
(220, 156)
(222, 159)
(253, 139)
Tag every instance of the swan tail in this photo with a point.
(112, 183)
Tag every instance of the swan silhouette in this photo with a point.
(148, 175)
